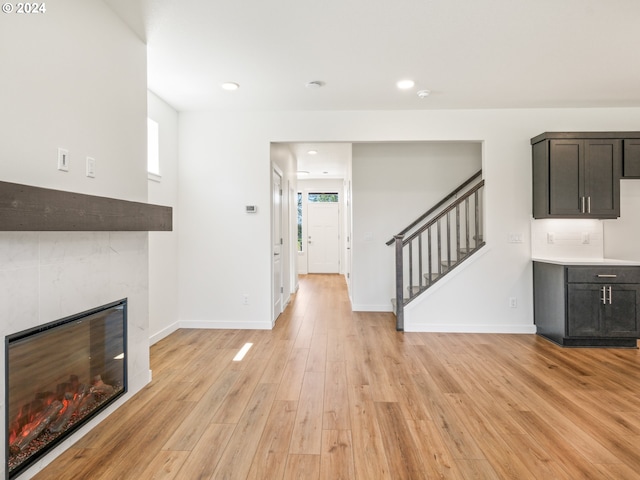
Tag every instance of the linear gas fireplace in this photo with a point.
(60, 375)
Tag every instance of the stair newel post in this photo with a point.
(477, 215)
(399, 283)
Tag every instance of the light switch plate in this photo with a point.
(91, 167)
(515, 238)
(63, 159)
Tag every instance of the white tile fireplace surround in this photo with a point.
(45, 276)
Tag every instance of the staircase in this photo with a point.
(437, 242)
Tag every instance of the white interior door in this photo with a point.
(323, 237)
(277, 244)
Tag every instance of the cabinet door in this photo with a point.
(631, 162)
(621, 311)
(602, 172)
(566, 177)
(584, 315)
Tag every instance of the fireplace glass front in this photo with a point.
(60, 375)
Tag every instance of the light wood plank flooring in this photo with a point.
(331, 394)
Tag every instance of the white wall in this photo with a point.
(163, 246)
(225, 164)
(622, 236)
(325, 186)
(393, 184)
(74, 77)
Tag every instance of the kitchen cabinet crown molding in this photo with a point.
(584, 135)
(29, 208)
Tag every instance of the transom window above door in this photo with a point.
(323, 197)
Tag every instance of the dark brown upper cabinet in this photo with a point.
(631, 159)
(577, 175)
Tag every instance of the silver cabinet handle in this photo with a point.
(610, 296)
(606, 275)
(604, 295)
(582, 204)
(588, 204)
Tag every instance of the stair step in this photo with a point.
(434, 277)
(415, 290)
(394, 304)
(445, 265)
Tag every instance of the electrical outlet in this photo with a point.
(91, 167)
(586, 238)
(245, 299)
(551, 237)
(513, 302)
(63, 159)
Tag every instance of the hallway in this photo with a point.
(335, 394)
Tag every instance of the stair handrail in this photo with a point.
(436, 206)
(449, 208)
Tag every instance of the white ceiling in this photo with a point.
(330, 161)
(468, 53)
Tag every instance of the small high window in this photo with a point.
(299, 221)
(153, 147)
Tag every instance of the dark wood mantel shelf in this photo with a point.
(28, 208)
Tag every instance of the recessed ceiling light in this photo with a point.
(312, 152)
(405, 84)
(315, 84)
(303, 172)
(230, 86)
(423, 93)
(325, 173)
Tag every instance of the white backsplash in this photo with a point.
(567, 238)
(45, 276)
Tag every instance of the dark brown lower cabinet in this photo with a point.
(587, 306)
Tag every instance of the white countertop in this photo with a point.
(588, 261)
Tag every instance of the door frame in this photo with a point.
(339, 221)
(277, 293)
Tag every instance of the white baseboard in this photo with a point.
(165, 332)
(469, 328)
(208, 324)
(372, 308)
(225, 325)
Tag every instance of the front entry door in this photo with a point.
(323, 240)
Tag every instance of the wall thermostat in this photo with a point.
(251, 208)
